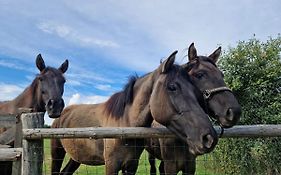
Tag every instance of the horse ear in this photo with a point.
(168, 63)
(64, 66)
(192, 53)
(40, 63)
(215, 55)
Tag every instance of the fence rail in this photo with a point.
(33, 135)
(243, 131)
(10, 154)
(7, 121)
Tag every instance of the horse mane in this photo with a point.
(115, 105)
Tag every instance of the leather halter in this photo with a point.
(208, 93)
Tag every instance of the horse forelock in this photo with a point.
(190, 65)
(177, 71)
(115, 105)
(207, 59)
(54, 71)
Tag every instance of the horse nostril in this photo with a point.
(50, 103)
(208, 141)
(230, 114)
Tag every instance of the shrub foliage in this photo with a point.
(253, 70)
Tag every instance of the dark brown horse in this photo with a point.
(218, 101)
(165, 95)
(44, 94)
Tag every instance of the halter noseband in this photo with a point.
(208, 93)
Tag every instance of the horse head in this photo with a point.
(173, 103)
(221, 103)
(50, 83)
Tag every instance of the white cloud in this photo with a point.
(73, 82)
(82, 99)
(14, 65)
(88, 76)
(68, 33)
(9, 91)
(103, 87)
(74, 99)
(60, 30)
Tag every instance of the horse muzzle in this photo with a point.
(54, 107)
(230, 118)
(200, 137)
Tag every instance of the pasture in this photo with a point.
(203, 164)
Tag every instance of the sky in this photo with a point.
(107, 41)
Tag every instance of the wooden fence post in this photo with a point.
(17, 144)
(33, 150)
(16, 131)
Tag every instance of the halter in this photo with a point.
(208, 93)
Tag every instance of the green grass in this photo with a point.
(204, 165)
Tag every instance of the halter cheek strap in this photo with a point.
(208, 93)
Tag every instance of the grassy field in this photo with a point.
(203, 165)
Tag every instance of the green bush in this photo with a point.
(253, 71)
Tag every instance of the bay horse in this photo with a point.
(44, 94)
(218, 102)
(165, 95)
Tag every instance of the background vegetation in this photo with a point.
(253, 71)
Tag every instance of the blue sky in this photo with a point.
(107, 41)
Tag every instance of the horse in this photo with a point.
(165, 95)
(44, 94)
(218, 102)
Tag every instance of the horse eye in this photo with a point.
(199, 75)
(172, 87)
(43, 92)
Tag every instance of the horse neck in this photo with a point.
(29, 99)
(138, 113)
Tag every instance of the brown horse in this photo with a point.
(44, 94)
(165, 95)
(219, 103)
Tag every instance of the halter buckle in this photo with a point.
(207, 94)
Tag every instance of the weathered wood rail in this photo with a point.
(33, 135)
(10, 154)
(240, 131)
(7, 121)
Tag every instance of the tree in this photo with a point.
(253, 70)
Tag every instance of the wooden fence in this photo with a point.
(24, 152)
(33, 135)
